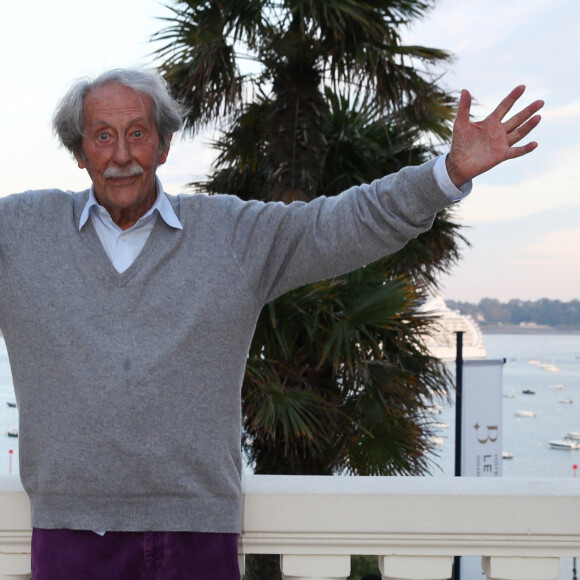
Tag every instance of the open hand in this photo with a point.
(477, 147)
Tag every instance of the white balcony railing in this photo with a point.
(414, 525)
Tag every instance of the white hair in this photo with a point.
(69, 118)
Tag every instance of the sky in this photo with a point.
(522, 219)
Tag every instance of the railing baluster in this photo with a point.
(315, 567)
(15, 547)
(14, 566)
(503, 568)
(242, 564)
(415, 567)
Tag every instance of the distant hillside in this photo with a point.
(522, 313)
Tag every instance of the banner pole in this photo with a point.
(458, 427)
(458, 401)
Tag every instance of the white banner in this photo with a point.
(481, 433)
(481, 411)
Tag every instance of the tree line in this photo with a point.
(490, 311)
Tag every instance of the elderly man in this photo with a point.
(128, 315)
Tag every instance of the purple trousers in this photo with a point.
(78, 554)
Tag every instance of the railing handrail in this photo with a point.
(412, 515)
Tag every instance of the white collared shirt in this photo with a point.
(123, 246)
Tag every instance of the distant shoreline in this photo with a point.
(539, 329)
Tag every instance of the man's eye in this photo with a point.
(103, 136)
(138, 133)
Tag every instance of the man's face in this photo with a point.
(120, 151)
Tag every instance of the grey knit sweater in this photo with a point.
(128, 385)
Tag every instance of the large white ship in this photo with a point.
(442, 339)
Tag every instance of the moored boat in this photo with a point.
(564, 444)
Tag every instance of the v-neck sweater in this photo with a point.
(129, 384)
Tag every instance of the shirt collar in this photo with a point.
(162, 205)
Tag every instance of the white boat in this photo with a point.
(550, 367)
(524, 413)
(507, 455)
(564, 444)
(565, 401)
(574, 435)
(437, 440)
(545, 365)
(442, 338)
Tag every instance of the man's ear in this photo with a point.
(165, 153)
(80, 159)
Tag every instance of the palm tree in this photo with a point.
(313, 96)
(295, 49)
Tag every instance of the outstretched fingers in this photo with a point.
(524, 116)
(518, 126)
(520, 131)
(521, 124)
(507, 103)
(522, 150)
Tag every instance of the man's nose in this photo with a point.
(121, 154)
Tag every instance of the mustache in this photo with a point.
(121, 172)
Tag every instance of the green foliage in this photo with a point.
(337, 379)
(219, 55)
(364, 567)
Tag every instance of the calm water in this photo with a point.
(526, 438)
(8, 416)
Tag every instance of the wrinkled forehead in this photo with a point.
(115, 101)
